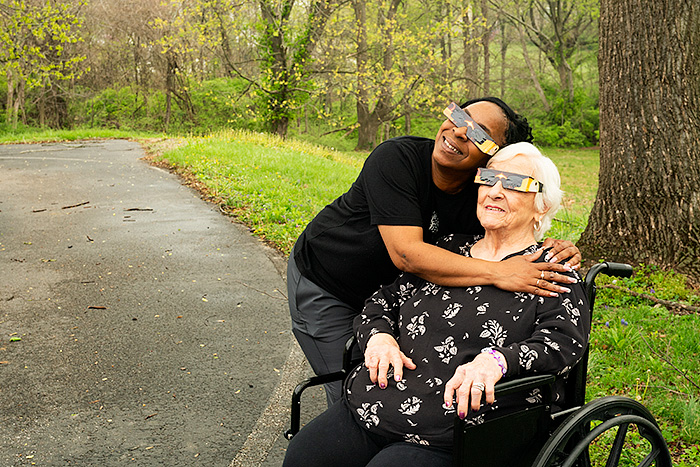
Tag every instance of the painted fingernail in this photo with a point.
(397, 378)
(553, 260)
(461, 415)
(448, 404)
(382, 385)
(566, 290)
(553, 294)
(567, 266)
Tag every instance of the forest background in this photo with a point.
(347, 73)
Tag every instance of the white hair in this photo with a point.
(546, 172)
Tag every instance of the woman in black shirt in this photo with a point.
(410, 192)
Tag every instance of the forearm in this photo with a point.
(443, 267)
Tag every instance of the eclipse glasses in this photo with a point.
(475, 133)
(509, 180)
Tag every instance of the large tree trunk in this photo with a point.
(648, 203)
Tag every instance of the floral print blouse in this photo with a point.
(440, 328)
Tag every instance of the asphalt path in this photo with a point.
(138, 324)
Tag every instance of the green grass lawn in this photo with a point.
(638, 349)
(33, 135)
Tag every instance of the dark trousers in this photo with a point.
(335, 439)
(322, 324)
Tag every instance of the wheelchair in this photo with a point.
(578, 435)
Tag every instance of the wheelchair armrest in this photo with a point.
(523, 384)
(296, 397)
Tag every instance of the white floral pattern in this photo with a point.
(410, 406)
(447, 349)
(368, 413)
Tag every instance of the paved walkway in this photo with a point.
(138, 325)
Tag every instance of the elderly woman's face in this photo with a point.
(507, 210)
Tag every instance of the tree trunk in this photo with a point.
(471, 70)
(19, 103)
(531, 69)
(486, 45)
(41, 104)
(648, 204)
(504, 50)
(10, 117)
(366, 131)
(169, 85)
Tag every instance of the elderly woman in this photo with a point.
(433, 352)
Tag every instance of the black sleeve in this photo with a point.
(381, 312)
(392, 181)
(560, 338)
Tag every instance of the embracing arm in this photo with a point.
(411, 254)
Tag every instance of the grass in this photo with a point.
(639, 349)
(34, 135)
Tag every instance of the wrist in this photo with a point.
(498, 358)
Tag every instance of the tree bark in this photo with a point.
(504, 50)
(471, 63)
(486, 45)
(368, 120)
(648, 202)
(531, 69)
(9, 104)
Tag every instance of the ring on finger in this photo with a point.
(479, 386)
(537, 284)
(542, 275)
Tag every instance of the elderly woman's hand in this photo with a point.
(562, 249)
(381, 352)
(522, 274)
(471, 381)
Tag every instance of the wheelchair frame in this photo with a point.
(536, 436)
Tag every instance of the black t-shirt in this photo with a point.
(341, 249)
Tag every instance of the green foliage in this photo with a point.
(647, 352)
(35, 47)
(24, 134)
(219, 104)
(559, 136)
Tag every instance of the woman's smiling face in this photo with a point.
(453, 150)
(508, 211)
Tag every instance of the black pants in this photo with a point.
(335, 439)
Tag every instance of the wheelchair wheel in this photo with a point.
(610, 431)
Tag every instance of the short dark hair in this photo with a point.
(518, 127)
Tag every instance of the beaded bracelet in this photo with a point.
(498, 357)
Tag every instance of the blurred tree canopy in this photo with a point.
(361, 69)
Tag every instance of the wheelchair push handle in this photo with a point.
(609, 268)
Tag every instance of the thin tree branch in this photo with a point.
(675, 307)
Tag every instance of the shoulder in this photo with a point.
(402, 147)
